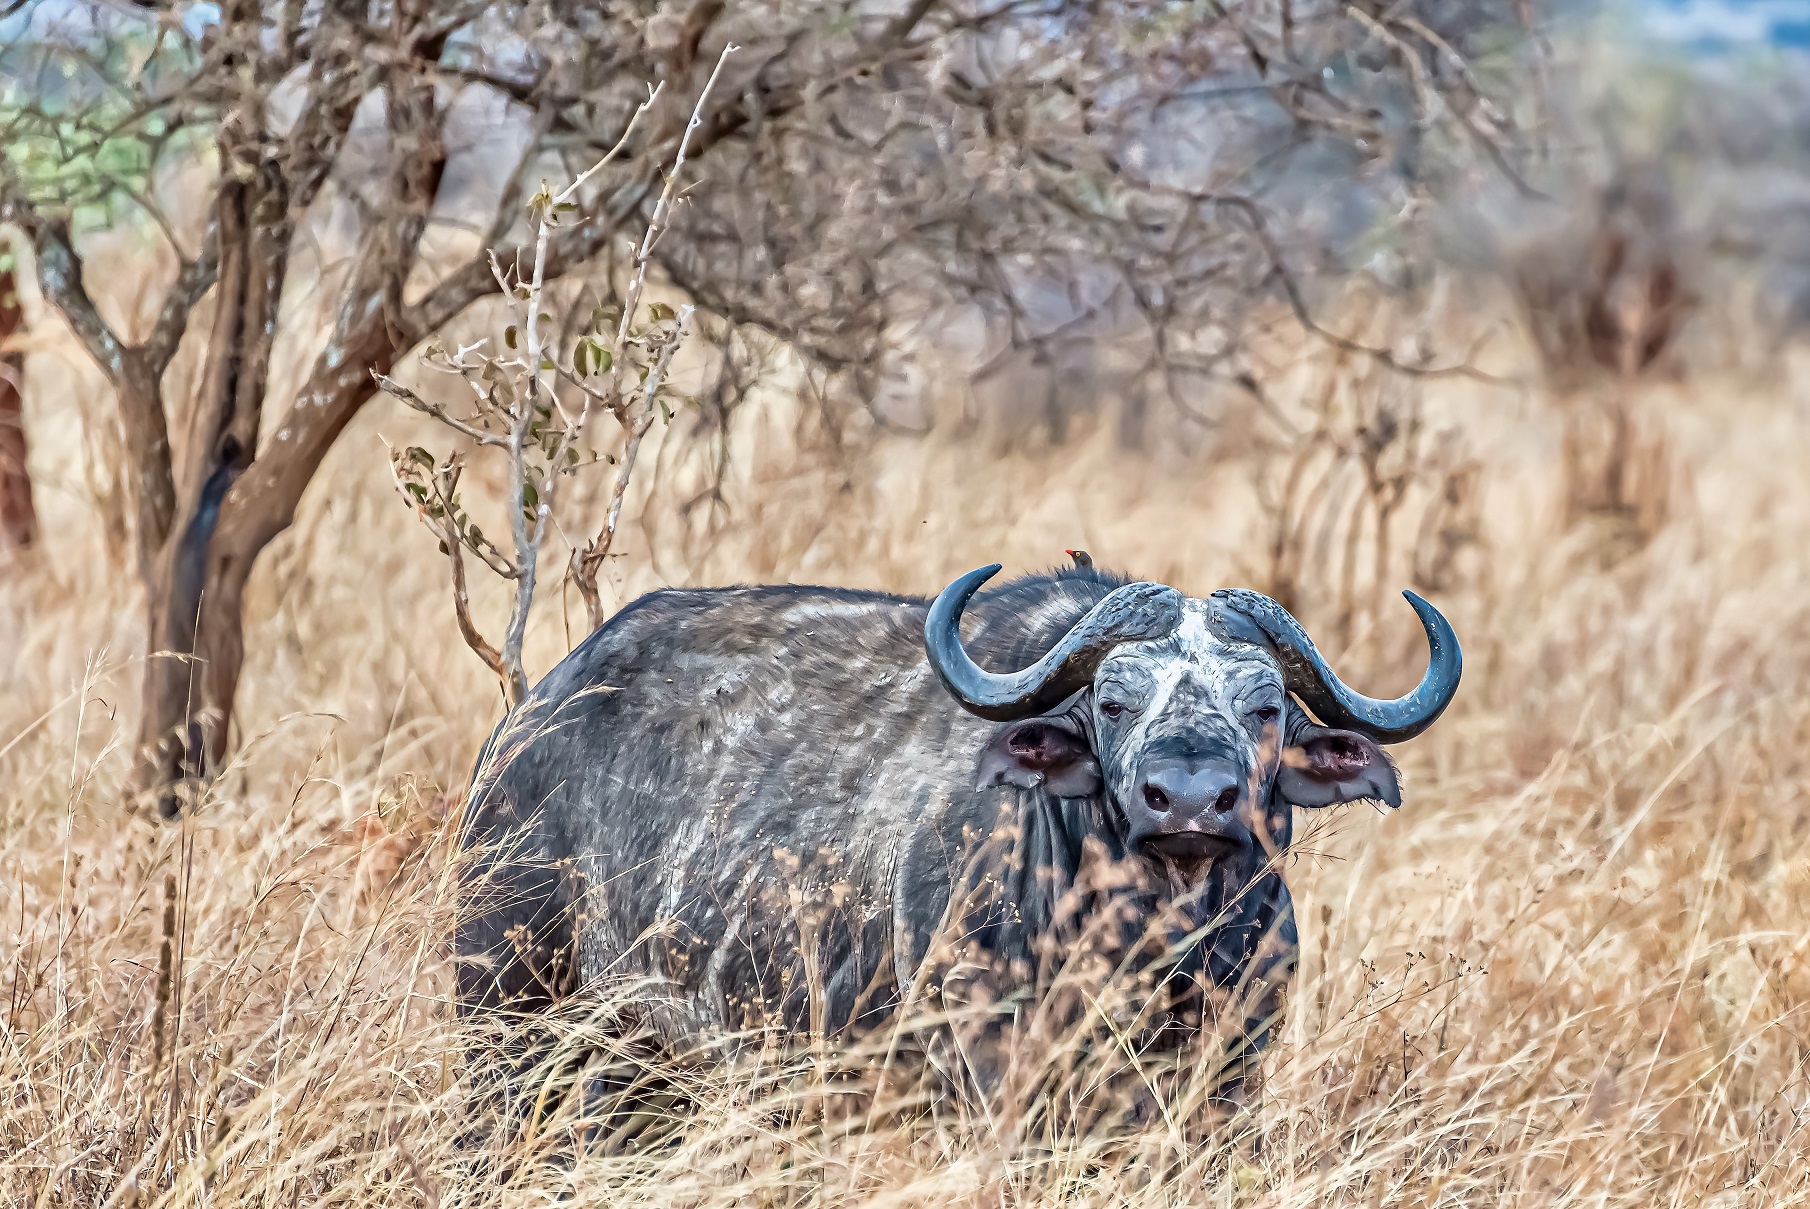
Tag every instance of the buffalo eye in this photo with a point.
(1267, 714)
(1111, 709)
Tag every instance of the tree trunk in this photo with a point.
(253, 510)
(183, 726)
(237, 498)
(18, 518)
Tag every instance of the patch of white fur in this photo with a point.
(1193, 652)
(811, 611)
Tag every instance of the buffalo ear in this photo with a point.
(1051, 752)
(1322, 767)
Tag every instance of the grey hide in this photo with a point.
(718, 783)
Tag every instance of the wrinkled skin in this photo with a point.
(749, 793)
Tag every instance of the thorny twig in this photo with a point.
(426, 407)
(586, 563)
(518, 411)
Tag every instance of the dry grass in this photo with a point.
(1574, 969)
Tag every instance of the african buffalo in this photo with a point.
(772, 801)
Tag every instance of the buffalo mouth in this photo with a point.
(1187, 855)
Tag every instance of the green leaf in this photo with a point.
(659, 312)
(594, 355)
(509, 335)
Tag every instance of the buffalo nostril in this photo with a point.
(1227, 799)
(1156, 799)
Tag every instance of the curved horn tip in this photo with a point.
(957, 592)
(980, 575)
(1430, 616)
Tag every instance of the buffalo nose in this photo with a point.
(1184, 792)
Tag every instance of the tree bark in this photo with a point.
(183, 726)
(254, 509)
(242, 497)
(18, 517)
(135, 371)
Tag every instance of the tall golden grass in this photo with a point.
(1574, 969)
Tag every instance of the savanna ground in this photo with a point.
(1575, 968)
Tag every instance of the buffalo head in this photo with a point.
(1185, 715)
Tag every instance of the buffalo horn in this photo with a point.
(1133, 613)
(1306, 675)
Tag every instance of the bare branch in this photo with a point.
(337, 82)
(157, 216)
(392, 387)
(193, 280)
(570, 247)
(60, 277)
(531, 423)
(468, 629)
(1424, 90)
(523, 92)
(443, 528)
(588, 562)
(1291, 289)
(653, 94)
(657, 224)
(528, 537)
(134, 377)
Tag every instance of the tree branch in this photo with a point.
(136, 378)
(570, 247)
(1297, 301)
(390, 386)
(586, 563)
(446, 530)
(370, 331)
(338, 82)
(60, 277)
(901, 26)
(193, 280)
